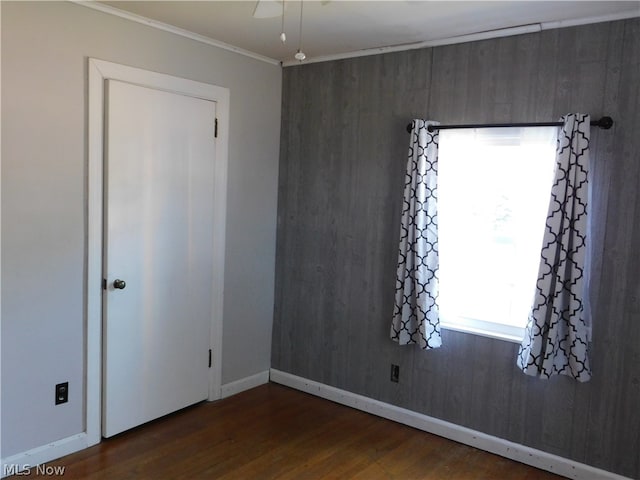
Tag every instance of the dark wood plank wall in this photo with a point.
(342, 163)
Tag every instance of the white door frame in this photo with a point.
(99, 71)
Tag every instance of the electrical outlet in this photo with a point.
(62, 393)
(395, 373)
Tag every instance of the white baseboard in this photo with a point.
(514, 451)
(27, 461)
(232, 388)
(520, 453)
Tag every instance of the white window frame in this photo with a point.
(475, 326)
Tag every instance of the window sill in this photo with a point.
(507, 337)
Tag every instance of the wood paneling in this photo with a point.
(342, 164)
(273, 432)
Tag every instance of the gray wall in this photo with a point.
(343, 153)
(45, 47)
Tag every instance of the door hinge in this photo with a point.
(104, 283)
(215, 129)
(209, 358)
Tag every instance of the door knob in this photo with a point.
(120, 284)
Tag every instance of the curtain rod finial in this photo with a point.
(605, 122)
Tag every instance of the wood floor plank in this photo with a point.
(273, 432)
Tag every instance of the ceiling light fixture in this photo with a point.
(300, 56)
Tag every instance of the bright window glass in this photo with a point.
(493, 194)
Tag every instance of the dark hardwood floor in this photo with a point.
(273, 432)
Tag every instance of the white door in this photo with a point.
(158, 258)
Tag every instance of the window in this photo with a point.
(493, 194)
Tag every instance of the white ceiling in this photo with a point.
(340, 28)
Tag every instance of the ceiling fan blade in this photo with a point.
(268, 9)
(273, 8)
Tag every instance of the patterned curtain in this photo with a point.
(415, 316)
(557, 336)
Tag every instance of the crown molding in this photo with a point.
(503, 32)
(172, 29)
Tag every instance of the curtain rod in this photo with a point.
(605, 123)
